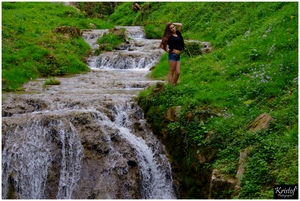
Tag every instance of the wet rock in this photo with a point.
(22, 106)
(109, 168)
(152, 68)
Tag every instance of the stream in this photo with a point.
(87, 137)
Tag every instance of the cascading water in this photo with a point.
(155, 171)
(29, 150)
(140, 53)
(86, 138)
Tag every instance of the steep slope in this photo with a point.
(252, 70)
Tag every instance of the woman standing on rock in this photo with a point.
(174, 40)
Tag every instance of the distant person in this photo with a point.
(174, 40)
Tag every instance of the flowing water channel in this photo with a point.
(87, 137)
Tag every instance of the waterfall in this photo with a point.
(156, 175)
(89, 139)
(29, 151)
(140, 53)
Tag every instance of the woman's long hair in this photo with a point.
(166, 37)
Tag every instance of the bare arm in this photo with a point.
(179, 26)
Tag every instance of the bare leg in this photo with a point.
(177, 72)
(172, 66)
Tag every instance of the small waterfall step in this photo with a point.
(140, 53)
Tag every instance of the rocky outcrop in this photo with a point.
(221, 185)
(109, 168)
(261, 122)
(241, 168)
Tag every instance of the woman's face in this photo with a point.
(172, 28)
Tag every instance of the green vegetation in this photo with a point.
(110, 41)
(51, 81)
(29, 47)
(253, 69)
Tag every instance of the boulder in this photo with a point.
(261, 122)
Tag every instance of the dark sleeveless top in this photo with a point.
(176, 42)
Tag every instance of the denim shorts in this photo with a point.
(174, 57)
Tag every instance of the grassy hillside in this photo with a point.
(253, 69)
(31, 50)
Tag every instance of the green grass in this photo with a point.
(253, 69)
(29, 47)
(109, 41)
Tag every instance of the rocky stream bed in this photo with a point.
(87, 137)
